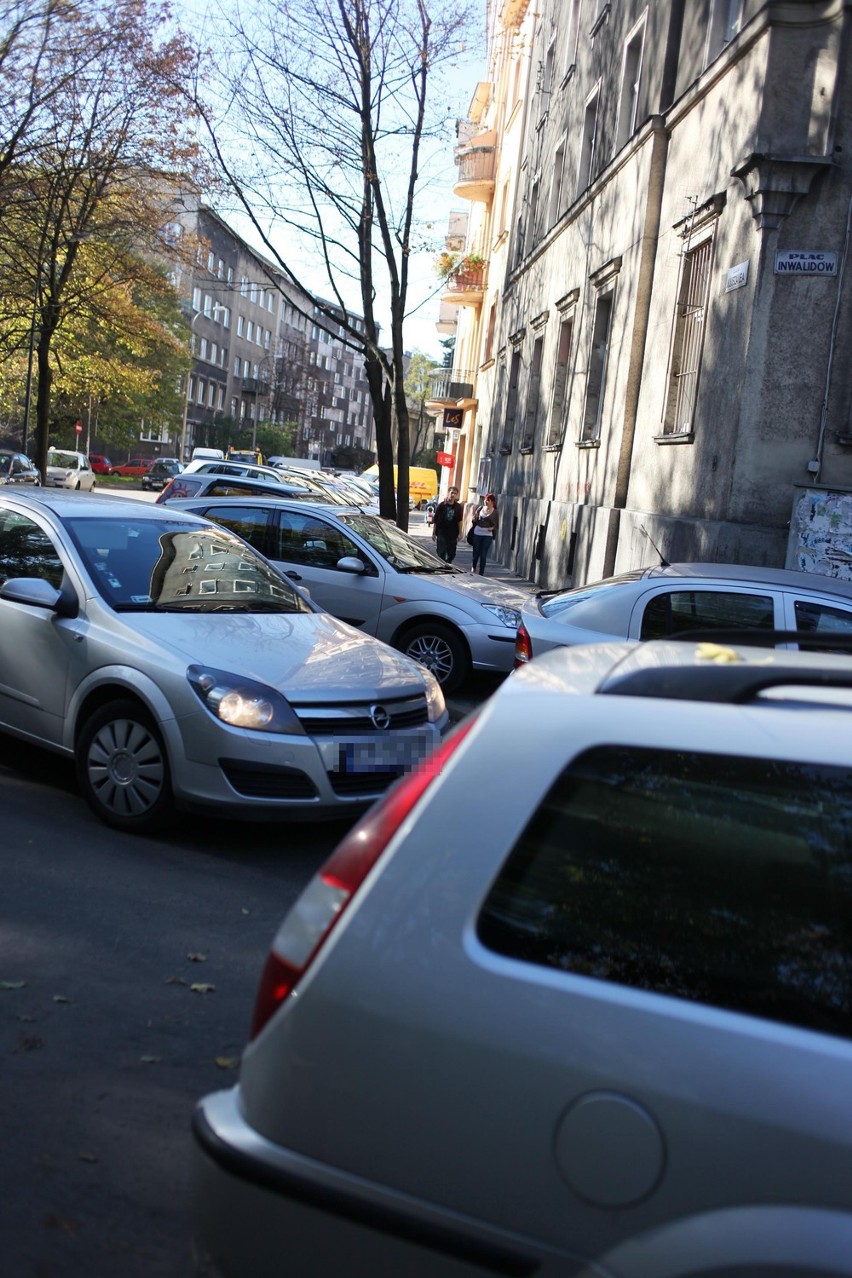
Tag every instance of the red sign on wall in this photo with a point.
(446, 459)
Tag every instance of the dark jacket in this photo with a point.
(447, 523)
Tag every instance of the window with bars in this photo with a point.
(688, 339)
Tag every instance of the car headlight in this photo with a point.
(436, 707)
(510, 617)
(243, 703)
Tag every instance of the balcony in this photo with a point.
(254, 386)
(466, 287)
(476, 166)
(449, 385)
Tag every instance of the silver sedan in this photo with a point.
(368, 572)
(179, 668)
(675, 599)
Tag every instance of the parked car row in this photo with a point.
(584, 960)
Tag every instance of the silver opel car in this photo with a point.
(179, 668)
(370, 573)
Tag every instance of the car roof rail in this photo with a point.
(729, 683)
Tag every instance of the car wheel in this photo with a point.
(122, 768)
(77, 486)
(440, 649)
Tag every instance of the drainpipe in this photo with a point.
(641, 318)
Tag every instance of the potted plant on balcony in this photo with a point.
(460, 267)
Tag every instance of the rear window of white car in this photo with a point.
(726, 881)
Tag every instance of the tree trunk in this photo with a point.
(45, 379)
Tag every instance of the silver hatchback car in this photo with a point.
(370, 573)
(653, 603)
(177, 667)
(574, 999)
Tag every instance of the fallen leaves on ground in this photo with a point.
(200, 988)
(197, 958)
(12, 985)
(228, 1062)
(65, 1224)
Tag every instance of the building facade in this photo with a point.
(262, 352)
(658, 358)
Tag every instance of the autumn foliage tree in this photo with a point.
(85, 184)
(330, 102)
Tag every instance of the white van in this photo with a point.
(207, 454)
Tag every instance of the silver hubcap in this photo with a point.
(434, 653)
(126, 768)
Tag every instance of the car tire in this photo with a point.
(440, 649)
(123, 768)
(77, 486)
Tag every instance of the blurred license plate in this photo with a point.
(395, 754)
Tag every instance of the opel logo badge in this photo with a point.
(380, 717)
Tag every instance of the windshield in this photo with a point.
(68, 461)
(165, 565)
(396, 547)
(560, 601)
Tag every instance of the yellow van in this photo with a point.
(422, 482)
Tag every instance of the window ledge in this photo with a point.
(504, 451)
(600, 20)
(676, 437)
(552, 448)
(588, 443)
(527, 450)
(569, 75)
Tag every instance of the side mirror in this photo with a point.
(38, 593)
(350, 563)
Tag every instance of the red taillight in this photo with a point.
(523, 646)
(311, 920)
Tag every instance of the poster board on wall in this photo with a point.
(821, 531)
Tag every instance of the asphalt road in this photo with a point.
(128, 969)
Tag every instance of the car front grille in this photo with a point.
(265, 781)
(351, 785)
(326, 721)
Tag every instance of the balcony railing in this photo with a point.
(476, 169)
(452, 384)
(255, 386)
(476, 164)
(466, 287)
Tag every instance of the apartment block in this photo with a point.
(655, 362)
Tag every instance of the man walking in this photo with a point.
(447, 524)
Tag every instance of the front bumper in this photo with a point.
(262, 776)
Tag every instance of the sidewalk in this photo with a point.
(422, 532)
